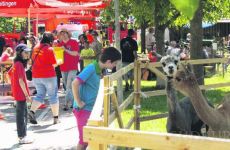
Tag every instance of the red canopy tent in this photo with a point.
(56, 9)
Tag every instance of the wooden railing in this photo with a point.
(102, 116)
(150, 140)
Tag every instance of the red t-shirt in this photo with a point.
(43, 62)
(70, 62)
(16, 72)
(152, 58)
(89, 38)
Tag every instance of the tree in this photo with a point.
(196, 42)
(8, 25)
(141, 10)
(175, 13)
(198, 11)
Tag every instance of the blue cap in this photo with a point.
(23, 47)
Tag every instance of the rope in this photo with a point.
(136, 107)
(110, 90)
(142, 94)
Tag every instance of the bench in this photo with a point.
(6, 87)
(6, 100)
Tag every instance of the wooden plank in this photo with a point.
(121, 72)
(155, 93)
(124, 105)
(194, 62)
(206, 61)
(137, 97)
(117, 112)
(94, 146)
(96, 123)
(153, 117)
(157, 72)
(130, 123)
(212, 86)
(106, 101)
(153, 140)
(206, 87)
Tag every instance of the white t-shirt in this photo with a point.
(149, 39)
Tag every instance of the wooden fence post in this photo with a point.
(106, 101)
(137, 87)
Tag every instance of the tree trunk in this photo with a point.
(196, 43)
(159, 35)
(117, 39)
(143, 28)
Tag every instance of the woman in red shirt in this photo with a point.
(44, 77)
(20, 90)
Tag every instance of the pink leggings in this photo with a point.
(82, 117)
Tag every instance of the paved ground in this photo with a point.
(46, 135)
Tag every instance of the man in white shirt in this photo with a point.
(150, 39)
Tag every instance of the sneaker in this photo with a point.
(32, 118)
(56, 121)
(66, 108)
(25, 140)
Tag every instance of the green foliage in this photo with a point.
(186, 7)
(165, 11)
(214, 10)
(142, 10)
(7, 25)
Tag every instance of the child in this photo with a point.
(7, 52)
(20, 90)
(87, 54)
(85, 88)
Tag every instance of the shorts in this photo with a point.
(46, 85)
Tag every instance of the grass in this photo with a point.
(158, 105)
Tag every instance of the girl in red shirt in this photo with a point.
(20, 90)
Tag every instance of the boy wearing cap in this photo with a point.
(20, 91)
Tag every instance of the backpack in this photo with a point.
(126, 45)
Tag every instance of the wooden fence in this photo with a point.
(98, 135)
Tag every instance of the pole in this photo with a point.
(117, 43)
(36, 34)
(29, 21)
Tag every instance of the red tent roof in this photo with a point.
(45, 8)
